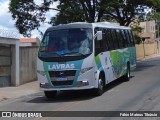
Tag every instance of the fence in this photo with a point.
(28, 64)
(146, 50)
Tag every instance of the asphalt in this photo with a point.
(33, 87)
(22, 90)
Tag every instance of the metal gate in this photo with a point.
(5, 65)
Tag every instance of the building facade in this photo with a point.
(149, 31)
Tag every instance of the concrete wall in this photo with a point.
(5, 66)
(14, 59)
(28, 59)
(150, 49)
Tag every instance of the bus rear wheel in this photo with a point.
(128, 74)
(50, 94)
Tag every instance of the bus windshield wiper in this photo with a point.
(74, 53)
(54, 53)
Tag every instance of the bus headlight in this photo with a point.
(41, 72)
(85, 70)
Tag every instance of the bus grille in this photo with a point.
(62, 73)
(59, 83)
(68, 74)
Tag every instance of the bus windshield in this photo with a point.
(67, 42)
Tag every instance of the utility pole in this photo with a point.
(143, 39)
(157, 34)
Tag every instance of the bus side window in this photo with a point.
(131, 36)
(110, 39)
(44, 43)
(114, 39)
(102, 42)
(128, 38)
(120, 38)
(105, 40)
(98, 43)
(124, 38)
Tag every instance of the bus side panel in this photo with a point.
(119, 60)
(114, 63)
(103, 63)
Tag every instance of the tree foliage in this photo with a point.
(137, 30)
(29, 15)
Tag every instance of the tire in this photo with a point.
(128, 74)
(101, 84)
(50, 94)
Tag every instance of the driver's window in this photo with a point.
(44, 43)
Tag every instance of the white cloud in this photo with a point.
(7, 23)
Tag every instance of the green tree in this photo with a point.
(29, 15)
(137, 30)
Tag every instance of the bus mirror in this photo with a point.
(99, 35)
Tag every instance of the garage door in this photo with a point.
(5, 66)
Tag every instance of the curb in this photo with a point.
(148, 57)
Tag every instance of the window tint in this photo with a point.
(104, 40)
(113, 39)
(100, 45)
(106, 43)
(114, 36)
(131, 36)
(127, 37)
(97, 43)
(109, 39)
(120, 39)
(123, 38)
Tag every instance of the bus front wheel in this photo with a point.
(50, 94)
(99, 91)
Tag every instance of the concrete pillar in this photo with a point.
(15, 72)
(158, 47)
(17, 64)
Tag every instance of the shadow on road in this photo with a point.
(64, 96)
(143, 66)
(67, 96)
(146, 64)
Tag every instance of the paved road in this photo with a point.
(142, 92)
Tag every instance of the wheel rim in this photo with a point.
(128, 74)
(101, 84)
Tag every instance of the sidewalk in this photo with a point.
(22, 90)
(33, 87)
(148, 57)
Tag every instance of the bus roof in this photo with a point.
(87, 25)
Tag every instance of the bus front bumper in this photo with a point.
(81, 85)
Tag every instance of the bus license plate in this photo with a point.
(61, 78)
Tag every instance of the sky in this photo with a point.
(7, 23)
